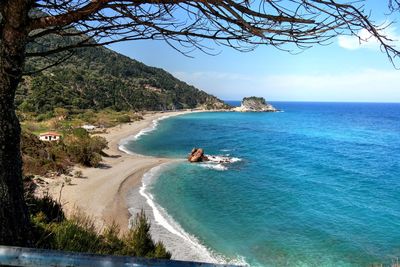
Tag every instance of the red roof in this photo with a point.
(50, 133)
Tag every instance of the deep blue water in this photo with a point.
(317, 185)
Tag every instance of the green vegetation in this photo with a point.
(84, 149)
(79, 234)
(68, 119)
(260, 100)
(100, 87)
(78, 147)
(42, 157)
(124, 119)
(98, 78)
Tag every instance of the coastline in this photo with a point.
(114, 192)
(101, 194)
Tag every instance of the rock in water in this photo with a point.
(197, 155)
(255, 104)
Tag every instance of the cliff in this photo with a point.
(255, 104)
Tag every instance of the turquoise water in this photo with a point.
(317, 185)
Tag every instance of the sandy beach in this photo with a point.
(102, 192)
(110, 193)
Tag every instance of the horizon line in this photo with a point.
(323, 101)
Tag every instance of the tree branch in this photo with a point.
(238, 24)
(71, 16)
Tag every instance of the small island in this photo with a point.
(255, 104)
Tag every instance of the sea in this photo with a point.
(317, 184)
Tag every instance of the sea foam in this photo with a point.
(183, 245)
(162, 218)
(218, 167)
(219, 163)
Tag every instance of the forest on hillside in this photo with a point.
(98, 78)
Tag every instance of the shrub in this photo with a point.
(26, 107)
(40, 157)
(138, 240)
(137, 117)
(67, 180)
(42, 236)
(124, 118)
(61, 112)
(89, 116)
(112, 244)
(85, 150)
(78, 174)
(51, 230)
(50, 209)
(80, 133)
(43, 117)
(160, 252)
(77, 234)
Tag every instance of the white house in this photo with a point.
(89, 127)
(50, 136)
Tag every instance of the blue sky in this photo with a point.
(341, 71)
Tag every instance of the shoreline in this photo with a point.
(111, 193)
(101, 194)
(181, 244)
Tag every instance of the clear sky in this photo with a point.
(341, 71)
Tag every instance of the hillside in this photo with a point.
(98, 78)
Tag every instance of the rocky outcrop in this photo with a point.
(255, 104)
(197, 155)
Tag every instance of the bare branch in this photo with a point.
(71, 16)
(185, 24)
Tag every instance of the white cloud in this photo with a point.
(369, 85)
(366, 40)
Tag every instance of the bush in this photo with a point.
(124, 118)
(78, 174)
(80, 133)
(42, 237)
(40, 157)
(88, 116)
(51, 210)
(77, 234)
(43, 117)
(112, 244)
(61, 113)
(51, 230)
(139, 242)
(26, 107)
(137, 117)
(160, 252)
(67, 180)
(85, 150)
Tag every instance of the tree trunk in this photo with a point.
(14, 219)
